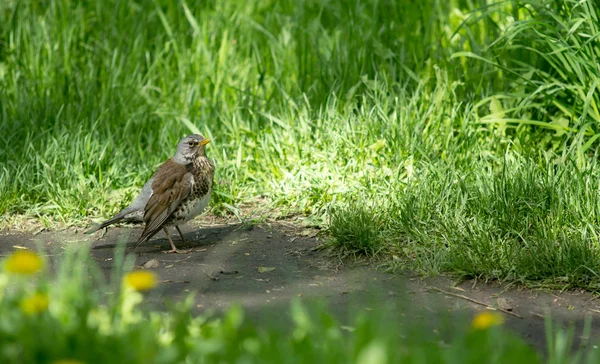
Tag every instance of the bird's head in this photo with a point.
(191, 147)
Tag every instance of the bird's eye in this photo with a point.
(191, 143)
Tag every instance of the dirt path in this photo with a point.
(223, 268)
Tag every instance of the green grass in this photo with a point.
(517, 222)
(450, 136)
(94, 320)
(266, 80)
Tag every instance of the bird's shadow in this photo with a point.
(195, 237)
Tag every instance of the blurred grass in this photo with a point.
(88, 319)
(452, 136)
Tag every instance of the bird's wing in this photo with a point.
(172, 184)
(142, 198)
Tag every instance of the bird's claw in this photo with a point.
(177, 251)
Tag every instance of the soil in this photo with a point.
(263, 267)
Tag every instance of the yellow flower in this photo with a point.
(140, 280)
(487, 319)
(35, 304)
(67, 361)
(24, 262)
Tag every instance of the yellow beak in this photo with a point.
(205, 141)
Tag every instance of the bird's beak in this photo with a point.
(205, 141)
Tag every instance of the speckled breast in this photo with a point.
(203, 172)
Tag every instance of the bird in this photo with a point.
(178, 191)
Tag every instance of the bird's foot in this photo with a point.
(177, 251)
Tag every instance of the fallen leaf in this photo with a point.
(228, 271)
(265, 269)
(234, 242)
(378, 145)
(151, 264)
(503, 304)
(306, 232)
(211, 277)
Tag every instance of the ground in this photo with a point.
(263, 267)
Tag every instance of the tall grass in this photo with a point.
(335, 109)
(95, 94)
(549, 56)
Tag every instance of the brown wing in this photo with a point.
(172, 184)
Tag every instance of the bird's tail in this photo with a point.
(106, 223)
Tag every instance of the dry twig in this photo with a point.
(474, 301)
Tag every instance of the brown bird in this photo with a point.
(178, 191)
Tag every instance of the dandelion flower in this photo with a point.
(486, 320)
(35, 303)
(140, 280)
(25, 262)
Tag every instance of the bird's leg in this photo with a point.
(173, 248)
(180, 233)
